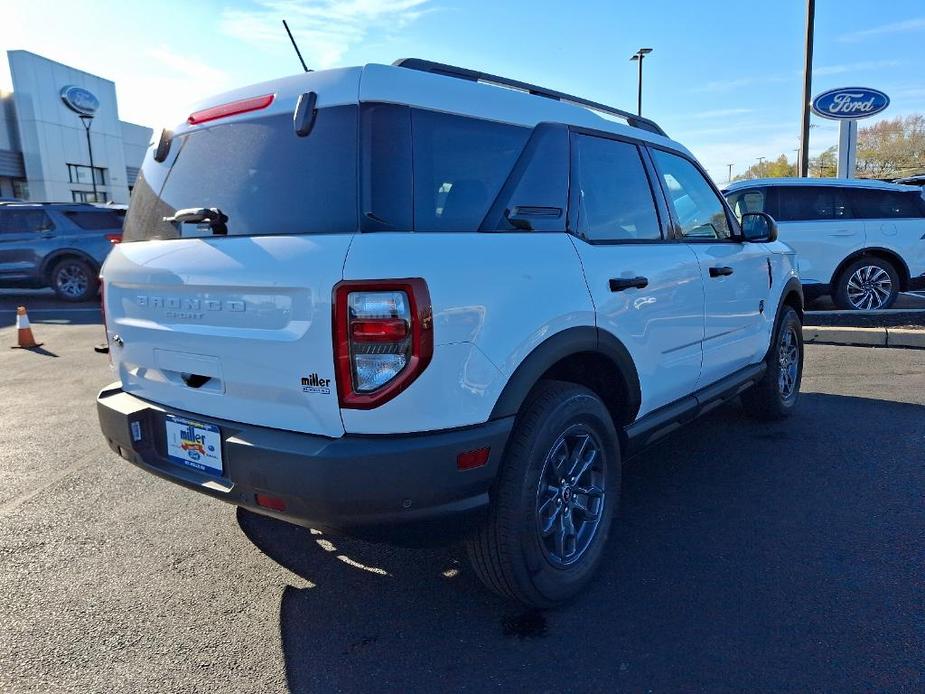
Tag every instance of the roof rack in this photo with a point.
(474, 76)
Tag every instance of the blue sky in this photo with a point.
(725, 78)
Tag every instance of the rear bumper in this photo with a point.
(396, 488)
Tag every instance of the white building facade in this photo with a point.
(44, 154)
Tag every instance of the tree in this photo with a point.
(777, 168)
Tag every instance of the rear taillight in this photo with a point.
(114, 238)
(383, 338)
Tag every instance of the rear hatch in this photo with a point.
(228, 313)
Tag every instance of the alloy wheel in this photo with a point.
(869, 288)
(570, 495)
(788, 358)
(72, 280)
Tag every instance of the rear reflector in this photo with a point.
(472, 459)
(231, 109)
(271, 502)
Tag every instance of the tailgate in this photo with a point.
(237, 328)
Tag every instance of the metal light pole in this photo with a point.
(761, 166)
(803, 165)
(638, 56)
(87, 120)
(729, 177)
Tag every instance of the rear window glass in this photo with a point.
(96, 219)
(887, 204)
(263, 177)
(812, 203)
(459, 167)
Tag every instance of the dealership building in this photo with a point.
(44, 127)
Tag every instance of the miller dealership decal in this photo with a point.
(313, 383)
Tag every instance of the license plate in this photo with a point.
(194, 444)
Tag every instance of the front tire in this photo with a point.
(868, 284)
(553, 501)
(776, 394)
(74, 280)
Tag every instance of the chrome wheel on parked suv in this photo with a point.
(74, 280)
(869, 284)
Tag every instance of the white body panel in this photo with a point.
(821, 246)
(499, 295)
(253, 314)
(905, 237)
(661, 325)
(737, 316)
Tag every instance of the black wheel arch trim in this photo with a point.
(49, 263)
(563, 344)
(901, 267)
(793, 286)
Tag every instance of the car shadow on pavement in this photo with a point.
(745, 555)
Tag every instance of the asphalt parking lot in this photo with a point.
(747, 556)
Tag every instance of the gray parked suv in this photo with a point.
(57, 245)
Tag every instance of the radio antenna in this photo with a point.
(295, 45)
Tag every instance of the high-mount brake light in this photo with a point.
(383, 338)
(232, 108)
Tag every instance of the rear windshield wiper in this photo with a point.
(215, 217)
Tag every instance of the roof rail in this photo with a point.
(474, 76)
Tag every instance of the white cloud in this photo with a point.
(908, 25)
(324, 29)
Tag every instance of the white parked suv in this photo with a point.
(418, 303)
(860, 241)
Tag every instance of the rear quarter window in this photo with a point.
(887, 204)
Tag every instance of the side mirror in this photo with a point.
(759, 227)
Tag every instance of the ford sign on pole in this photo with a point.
(80, 100)
(848, 104)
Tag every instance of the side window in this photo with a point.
(101, 219)
(887, 204)
(615, 199)
(811, 203)
(459, 166)
(23, 221)
(698, 208)
(751, 200)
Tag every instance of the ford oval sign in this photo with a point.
(850, 103)
(80, 100)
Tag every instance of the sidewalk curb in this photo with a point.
(869, 337)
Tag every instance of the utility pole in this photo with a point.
(729, 177)
(638, 56)
(761, 166)
(87, 120)
(803, 164)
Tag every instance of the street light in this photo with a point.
(87, 120)
(638, 56)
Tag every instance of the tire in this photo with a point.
(509, 552)
(74, 280)
(776, 394)
(869, 284)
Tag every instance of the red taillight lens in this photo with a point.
(114, 238)
(383, 338)
(271, 502)
(230, 109)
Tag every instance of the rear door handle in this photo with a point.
(618, 284)
(720, 271)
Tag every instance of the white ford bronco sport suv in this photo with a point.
(421, 303)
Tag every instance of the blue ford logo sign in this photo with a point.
(850, 102)
(80, 100)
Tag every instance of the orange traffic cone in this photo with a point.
(26, 340)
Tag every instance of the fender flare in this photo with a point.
(557, 347)
(792, 286)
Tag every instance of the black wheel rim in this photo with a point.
(72, 281)
(570, 495)
(788, 359)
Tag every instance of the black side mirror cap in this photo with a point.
(759, 227)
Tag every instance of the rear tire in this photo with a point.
(776, 394)
(868, 284)
(554, 499)
(74, 280)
